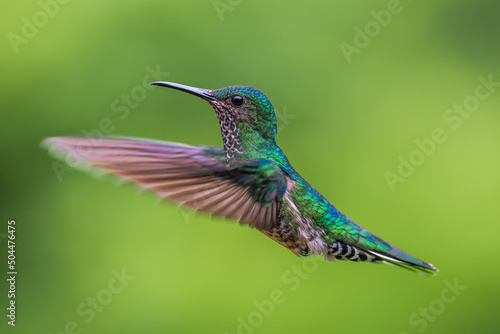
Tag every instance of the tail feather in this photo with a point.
(390, 254)
(403, 260)
(342, 251)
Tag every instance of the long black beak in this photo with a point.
(203, 93)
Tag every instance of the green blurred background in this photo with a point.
(343, 125)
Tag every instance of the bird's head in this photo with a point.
(246, 118)
(238, 108)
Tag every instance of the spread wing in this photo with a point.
(194, 176)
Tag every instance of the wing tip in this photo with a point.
(47, 143)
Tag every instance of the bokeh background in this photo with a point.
(345, 118)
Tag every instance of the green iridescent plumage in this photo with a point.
(250, 180)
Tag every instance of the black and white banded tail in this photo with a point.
(341, 251)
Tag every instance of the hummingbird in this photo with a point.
(249, 180)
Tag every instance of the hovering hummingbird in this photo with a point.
(249, 180)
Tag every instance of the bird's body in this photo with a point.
(249, 180)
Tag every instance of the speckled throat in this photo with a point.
(230, 134)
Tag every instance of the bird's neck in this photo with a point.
(241, 143)
(251, 146)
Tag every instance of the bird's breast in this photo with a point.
(296, 229)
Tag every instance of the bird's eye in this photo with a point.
(237, 100)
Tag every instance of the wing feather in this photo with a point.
(194, 176)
